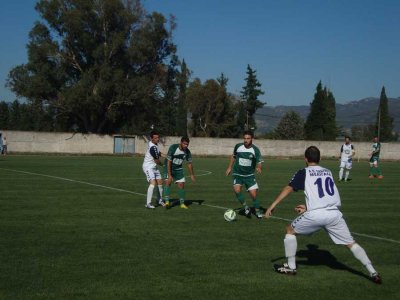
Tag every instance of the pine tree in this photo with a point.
(321, 122)
(250, 93)
(384, 123)
(290, 127)
(182, 82)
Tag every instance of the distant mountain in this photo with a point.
(361, 112)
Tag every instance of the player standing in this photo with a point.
(346, 159)
(153, 175)
(374, 169)
(173, 170)
(320, 212)
(246, 159)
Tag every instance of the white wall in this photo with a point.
(46, 142)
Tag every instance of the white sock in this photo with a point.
(160, 190)
(347, 175)
(150, 193)
(290, 242)
(341, 173)
(361, 255)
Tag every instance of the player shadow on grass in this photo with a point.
(176, 202)
(317, 257)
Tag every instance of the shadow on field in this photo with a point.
(175, 202)
(316, 257)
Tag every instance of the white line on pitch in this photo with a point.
(141, 194)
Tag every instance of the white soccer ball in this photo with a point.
(230, 215)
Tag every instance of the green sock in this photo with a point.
(378, 171)
(240, 198)
(181, 194)
(166, 193)
(372, 171)
(256, 203)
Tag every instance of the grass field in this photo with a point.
(75, 227)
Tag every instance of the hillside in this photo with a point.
(361, 112)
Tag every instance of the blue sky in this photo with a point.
(353, 46)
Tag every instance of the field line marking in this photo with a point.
(354, 233)
(73, 180)
(141, 194)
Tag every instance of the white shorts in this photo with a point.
(330, 220)
(346, 164)
(152, 174)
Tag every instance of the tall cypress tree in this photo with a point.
(321, 122)
(250, 93)
(384, 123)
(182, 82)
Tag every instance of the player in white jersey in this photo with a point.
(320, 212)
(346, 159)
(153, 175)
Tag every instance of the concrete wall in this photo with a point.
(49, 142)
(44, 142)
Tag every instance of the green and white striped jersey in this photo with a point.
(178, 156)
(246, 159)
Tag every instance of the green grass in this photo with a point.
(64, 239)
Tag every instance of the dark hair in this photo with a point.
(248, 132)
(347, 137)
(312, 154)
(153, 133)
(185, 139)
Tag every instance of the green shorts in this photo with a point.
(374, 160)
(178, 175)
(248, 181)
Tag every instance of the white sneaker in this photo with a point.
(161, 203)
(149, 206)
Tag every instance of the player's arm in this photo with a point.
(286, 191)
(169, 172)
(190, 168)
(353, 151)
(231, 162)
(156, 155)
(259, 168)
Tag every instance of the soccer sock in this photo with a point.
(166, 193)
(256, 203)
(378, 171)
(371, 170)
(181, 194)
(240, 198)
(150, 190)
(160, 190)
(361, 255)
(290, 242)
(341, 173)
(347, 175)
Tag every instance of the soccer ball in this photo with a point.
(230, 215)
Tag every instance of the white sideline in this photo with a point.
(142, 194)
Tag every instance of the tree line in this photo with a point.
(109, 66)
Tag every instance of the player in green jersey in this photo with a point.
(173, 170)
(374, 169)
(246, 159)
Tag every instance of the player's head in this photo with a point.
(248, 138)
(155, 137)
(184, 142)
(347, 139)
(312, 155)
(375, 139)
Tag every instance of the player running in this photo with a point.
(374, 169)
(153, 175)
(320, 212)
(347, 153)
(245, 160)
(173, 170)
